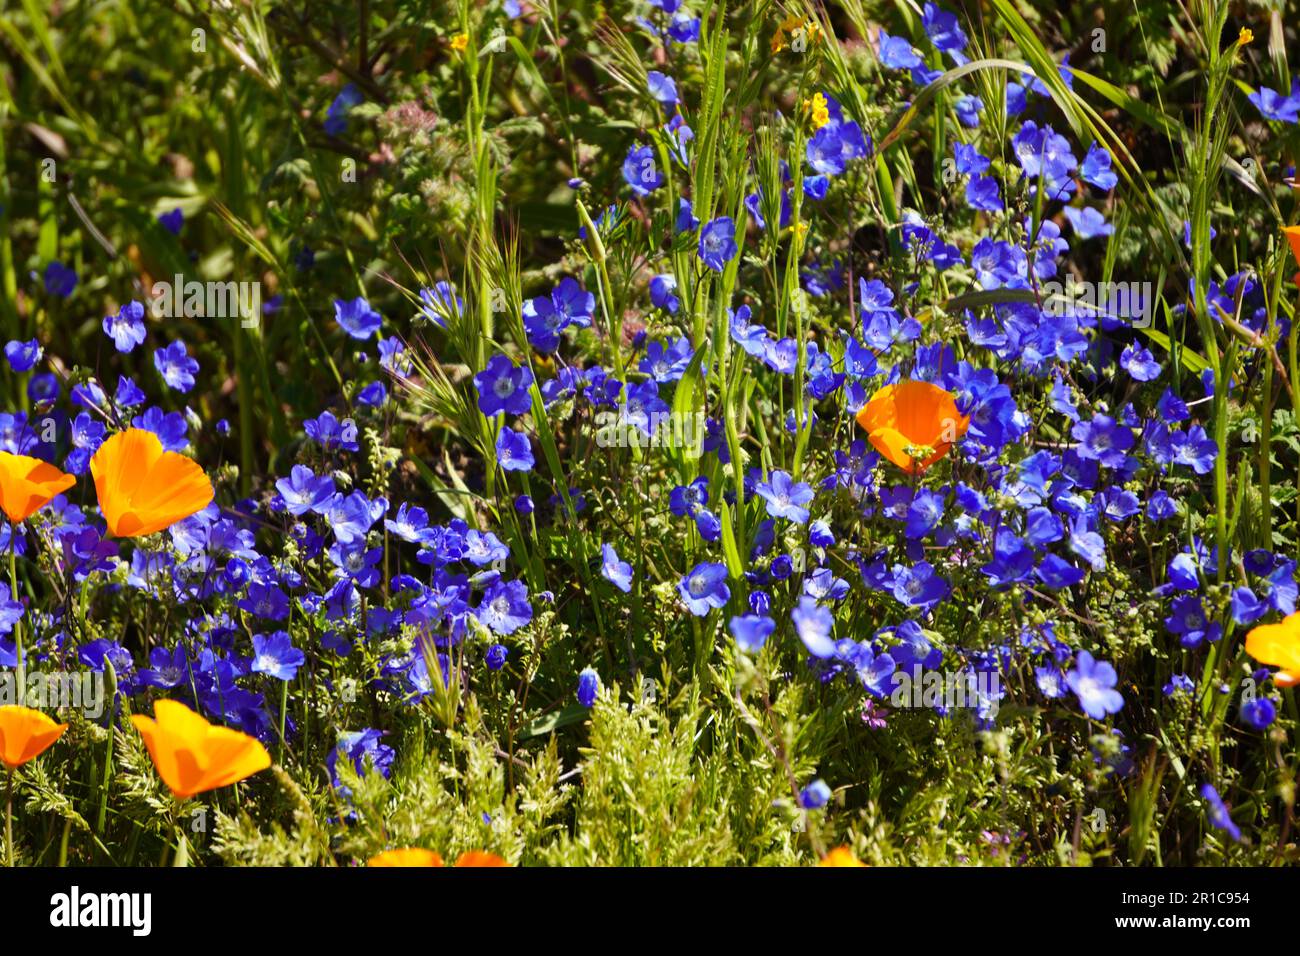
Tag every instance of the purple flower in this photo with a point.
(1258, 713)
(59, 280)
(364, 751)
(785, 497)
(514, 451)
(305, 491)
(173, 221)
(331, 433)
(504, 608)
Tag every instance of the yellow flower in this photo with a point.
(840, 856)
(459, 42)
(1279, 645)
(817, 106)
(1245, 37)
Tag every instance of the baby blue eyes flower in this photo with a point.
(496, 657)
(662, 288)
(1272, 105)
(126, 329)
(815, 796)
(504, 608)
(1088, 223)
(1093, 682)
(438, 305)
(1258, 713)
(175, 366)
(1096, 170)
(59, 280)
(1218, 813)
(503, 388)
(662, 88)
(336, 117)
(275, 656)
(813, 624)
(304, 491)
(514, 451)
(545, 317)
(1103, 440)
(1139, 363)
(896, 53)
(588, 687)
(331, 433)
(982, 194)
(751, 631)
(641, 172)
(357, 318)
(23, 356)
(704, 587)
(785, 497)
(615, 570)
(718, 243)
(968, 110)
(172, 221)
(365, 752)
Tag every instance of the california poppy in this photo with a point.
(840, 856)
(480, 858)
(193, 756)
(143, 489)
(1279, 645)
(1292, 234)
(28, 484)
(25, 734)
(410, 856)
(913, 415)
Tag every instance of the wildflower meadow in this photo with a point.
(525, 433)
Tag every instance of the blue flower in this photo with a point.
(170, 427)
(275, 656)
(331, 433)
(982, 193)
(365, 752)
(785, 497)
(815, 796)
(896, 53)
(1103, 440)
(504, 608)
(495, 658)
(126, 329)
(1218, 813)
(545, 317)
(1273, 105)
(172, 221)
(614, 569)
(514, 450)
(751, 631)
(1139, 363)
(704, 587)
(813, 624)
(641, 172)
(662, 88)
(23, 355)
(1088, 222)
(336, 117)
(1258, 713)
(175, 366)
(1096, 168)
(718, 243)
(440, 304)
(662, 288)
(357, 318)
(588, 687)
(1093, 682)
(59, 280)
(918, 586)
(503, 388)
(351, 516)
(305, 491)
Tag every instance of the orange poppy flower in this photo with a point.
(840, 856)
(25, 734)
(411, 856)
(1292, 234)
(480, 858)
(28, 484)
(1279, 645)
(193, 756)
(916, 416)
(143, 489)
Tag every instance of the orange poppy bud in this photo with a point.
(1292, 234)
(25, 734)
(28, 484)
(410, 856)
(193, 756)
(913, 424)
(143, 489)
